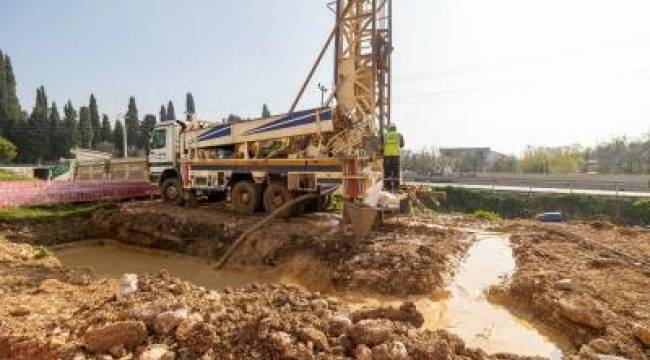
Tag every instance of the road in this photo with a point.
(544, 190)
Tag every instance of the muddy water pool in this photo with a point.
(465, 312)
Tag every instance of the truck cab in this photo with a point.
(164, 159)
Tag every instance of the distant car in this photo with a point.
(552, 217)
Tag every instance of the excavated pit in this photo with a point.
(465, 312)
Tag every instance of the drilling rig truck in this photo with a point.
(262, 164)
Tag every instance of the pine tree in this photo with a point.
(163, 113)
(95, 123)
(190, 109)
(118, 138)
(171, 115)
(266, 113)
(85, 128)
(57, 134)
(146, 129)
(106, 134)
(71, 127)
(132, 123)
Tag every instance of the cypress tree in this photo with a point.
(132, 123)
(37, 146)
(189, 104)
(4, 124)
(146, 129)
(118, 138)
(163, 113)
(171, 115)
(71, 127)
(12, 109)
(106, 134)
(94, 122)
(85, 128)
(265, 111)
(57, 134)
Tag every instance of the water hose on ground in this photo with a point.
(277, 212)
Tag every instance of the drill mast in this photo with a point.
(363, 46)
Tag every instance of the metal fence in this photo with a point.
(34, 193)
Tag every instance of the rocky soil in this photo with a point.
(588, 281)
(49, 312)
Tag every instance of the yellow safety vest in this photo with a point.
(392, 144)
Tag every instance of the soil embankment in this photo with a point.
(398, 259)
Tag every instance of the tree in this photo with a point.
(57, 134)
(85, 128)
(10, 111)
(163, 113)
(71, 127)
(37, 146)
(190, 109)
(8, 150)
(118, 138)
(106, 134)
(265, 111)
(146, 129)
(132, 123)
(171, 115)
(94, 122)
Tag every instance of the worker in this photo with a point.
(393, 143)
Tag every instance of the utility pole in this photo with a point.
(323, 90)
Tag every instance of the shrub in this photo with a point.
(487, 215)
(641, 210)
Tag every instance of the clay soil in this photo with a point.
(587, 280)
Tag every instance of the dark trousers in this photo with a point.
(391, 173)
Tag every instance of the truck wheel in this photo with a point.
(275, 196)
(245, 197)
(172, 192)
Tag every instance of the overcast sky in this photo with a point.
(499, 73)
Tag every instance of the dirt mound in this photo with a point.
(590, 282)
(409, 258)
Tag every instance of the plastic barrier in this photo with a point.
(34, 193)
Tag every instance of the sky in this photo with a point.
(500, 73)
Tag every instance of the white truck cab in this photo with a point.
(164, 159)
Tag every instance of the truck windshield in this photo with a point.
(159, 139)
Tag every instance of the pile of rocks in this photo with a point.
(171, 319)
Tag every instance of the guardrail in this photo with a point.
(35, 193)
(541, 182)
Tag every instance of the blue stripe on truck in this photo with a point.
(269, 169)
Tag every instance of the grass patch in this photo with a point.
(486, 215)
(50, 213)
(10, 176)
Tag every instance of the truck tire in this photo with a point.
(275, 196)
(172, 192)
(245, 196)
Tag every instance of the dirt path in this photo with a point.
(589, 281)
